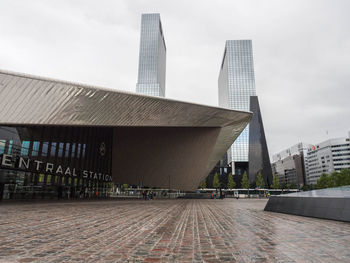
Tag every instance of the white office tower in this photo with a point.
(151, 77)
(327, 157)
(236, 86)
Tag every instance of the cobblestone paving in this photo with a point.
(166, 231)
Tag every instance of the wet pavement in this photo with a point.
(166, 231)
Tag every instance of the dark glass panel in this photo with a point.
(45, 149)
(9, 150)
(60, 149)
(35, 151)
(25, 148)
(73, 150)
(84, 149)
(53, 149)
(78, 151)
(2, 146)
(67, 150)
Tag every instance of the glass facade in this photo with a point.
(259, 159)
(55, 162)
(236, 85)
(152, 58)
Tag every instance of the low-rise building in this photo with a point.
(291, 165)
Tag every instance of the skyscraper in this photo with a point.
(152, 58)
(236, 87)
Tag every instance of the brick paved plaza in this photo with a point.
(166, 231)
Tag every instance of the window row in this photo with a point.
(340, 145)
(59, 149)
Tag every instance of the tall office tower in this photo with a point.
(236, 87)
(151, 77)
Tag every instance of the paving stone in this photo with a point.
(227, 230)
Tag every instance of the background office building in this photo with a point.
(327, 157)
(152, 58)
(291, 165)
(236, 90)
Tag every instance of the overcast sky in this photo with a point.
(301, 53)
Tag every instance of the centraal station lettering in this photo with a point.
(27, 164)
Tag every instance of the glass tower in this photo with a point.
(151, 77)
(236, 85)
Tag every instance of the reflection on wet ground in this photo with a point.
(166, 231)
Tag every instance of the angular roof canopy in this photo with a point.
(31, 100)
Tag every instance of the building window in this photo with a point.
(48, 179)
(25, 148)
(9, 150)
(41, 178)
(67, 150)
(60, 149)
(2, 146)
(45, 149)
(53, 149)
(35, 147)
(83, 152)
(78, 151)
(73, 151)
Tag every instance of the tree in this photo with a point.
(231, 183)
(335, 179)
(283, 185)
(323, 181)
(260, 181)
(204, 184)
(245, 182)
(293, 185)
(344, 177)
(275, 182)
(216, 181)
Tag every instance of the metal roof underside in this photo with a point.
(31, 100)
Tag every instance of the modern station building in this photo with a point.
(57, 136)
